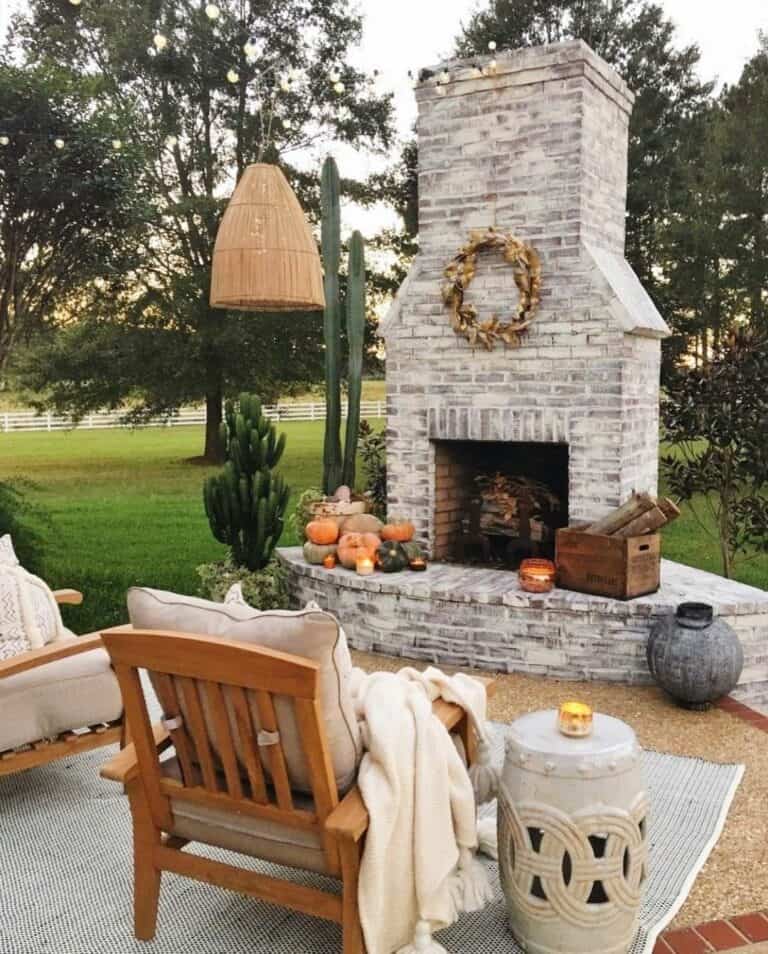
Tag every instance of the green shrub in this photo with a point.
(263, 589)
(302, 514)
(20, 519)
(373, 450)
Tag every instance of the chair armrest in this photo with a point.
(68, 597)
(124, 767)
(48, 654)
(350, 817)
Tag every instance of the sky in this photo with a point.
(402, 35)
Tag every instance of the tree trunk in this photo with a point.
(214, 446)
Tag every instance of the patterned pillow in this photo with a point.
(7, 553)
(29, 615)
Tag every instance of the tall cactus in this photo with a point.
(245, 503)
(355, 338)
(331, 243)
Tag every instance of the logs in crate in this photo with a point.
(619, 555)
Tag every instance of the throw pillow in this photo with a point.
(29, 615)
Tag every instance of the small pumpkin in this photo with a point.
(362, 523)
(392, 557)
(315, 553)
(399, 530)
(352, 546)
(322, 531)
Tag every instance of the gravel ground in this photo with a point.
(735, 879)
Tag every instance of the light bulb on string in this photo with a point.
(212, 11)
(445, 77)
(233, 76)
(492, 46)
(117, 144)
(58, 143)
(339, 88)
(334, 76)
(250, 48)
(75, 3)
(4, 141)
(160, 41)
(171, 142)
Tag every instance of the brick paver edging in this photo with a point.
(735, 932)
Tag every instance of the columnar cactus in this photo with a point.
(246, 502)
(336, 471)
(355, 339)
(331, 246)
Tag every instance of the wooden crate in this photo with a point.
(620, 567)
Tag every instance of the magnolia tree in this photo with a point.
(202, 90)
(716, 419)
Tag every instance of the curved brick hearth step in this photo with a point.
(471, 616)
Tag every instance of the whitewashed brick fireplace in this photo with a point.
(537, 148)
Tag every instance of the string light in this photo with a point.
(171, 142)
(250, 49)
(160, 41)
(233, 76)
(75, 3)
(445, 77)
(117, 144)
(212, 11)
(492, 46)
(58, 143)
(4, 140)
(339, 88)
(334, 76)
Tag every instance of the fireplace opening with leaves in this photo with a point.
(498, 502)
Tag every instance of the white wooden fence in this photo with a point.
(32, 421)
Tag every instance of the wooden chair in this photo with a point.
(30, 753)
(209, 690)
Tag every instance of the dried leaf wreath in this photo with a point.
(461, 270)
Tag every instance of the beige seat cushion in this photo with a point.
(68, 694)
(258, 837)
(310, 633)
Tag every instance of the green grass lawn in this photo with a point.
(127, 509)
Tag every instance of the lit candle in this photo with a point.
(575, 719)
(364, 566)
(537, 576)
(329, 562)
(417, 564)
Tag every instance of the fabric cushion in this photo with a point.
(258, 837)
(68, 694)
(29, 615)
(7, 553)
(310, 633)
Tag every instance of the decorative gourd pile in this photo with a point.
(350, 538)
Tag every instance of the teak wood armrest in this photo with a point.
(68, 597)
(124, 767)
(48, 654)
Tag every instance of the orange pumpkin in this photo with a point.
(352, 546)
(323, 532)
(401, 531)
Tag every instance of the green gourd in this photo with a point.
(392, 557)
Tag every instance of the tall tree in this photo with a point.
(68, 204)
(205, 90)
(636, 38)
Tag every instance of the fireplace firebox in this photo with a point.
(498, 502)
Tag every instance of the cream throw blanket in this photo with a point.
(419, 870)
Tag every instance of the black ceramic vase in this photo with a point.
(695, 658)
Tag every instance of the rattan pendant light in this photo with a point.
(266, 257)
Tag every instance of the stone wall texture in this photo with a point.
(538, 148)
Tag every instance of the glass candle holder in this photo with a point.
(364, 566)
(329, 562)
(575, 719)
(537, 576)
(417, 564)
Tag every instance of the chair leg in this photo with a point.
(352, 932)
(146, 875)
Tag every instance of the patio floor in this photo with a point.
(735, 878)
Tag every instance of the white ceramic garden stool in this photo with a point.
(572, 836)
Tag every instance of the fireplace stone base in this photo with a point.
(480, 618)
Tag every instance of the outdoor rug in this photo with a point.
(66, 871)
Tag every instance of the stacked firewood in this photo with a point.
(641, 514)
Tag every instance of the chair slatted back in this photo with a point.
(209, 690)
